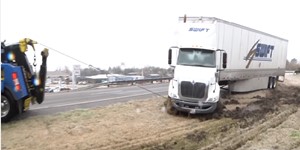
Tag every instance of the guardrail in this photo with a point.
(119, 83)
(140, 81)
(128, 82)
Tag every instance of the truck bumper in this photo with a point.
(194, 108)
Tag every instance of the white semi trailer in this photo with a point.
(210, 52)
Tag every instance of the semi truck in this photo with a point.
(209, 53)
(21, 84)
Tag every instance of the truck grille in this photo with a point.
(196, 90)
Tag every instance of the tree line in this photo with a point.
(293, 65)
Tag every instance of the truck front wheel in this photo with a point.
(8, 109)
(170, 108)
(220, 107)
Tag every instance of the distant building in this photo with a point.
(133, 73)
(102, 78)
(56, 76)
(153, 76)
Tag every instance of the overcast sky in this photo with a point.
(135, 32)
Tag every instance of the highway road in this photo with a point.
(66, 101)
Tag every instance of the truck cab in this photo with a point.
(199, 59)
(195, 87)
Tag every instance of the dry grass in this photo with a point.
(132, 125)
(94, 128)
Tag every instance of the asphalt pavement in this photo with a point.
(91, 98)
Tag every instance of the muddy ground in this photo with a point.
(267, 119)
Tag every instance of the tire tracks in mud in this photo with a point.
(239, 138)
(256, 118)
(175, 131)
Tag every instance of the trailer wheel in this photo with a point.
(270, 83)
(170, 108)
(274, 82)
(8, 108)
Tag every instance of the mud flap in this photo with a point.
(27, 104)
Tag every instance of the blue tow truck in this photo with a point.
(20, 85)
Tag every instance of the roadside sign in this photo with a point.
(76, 70)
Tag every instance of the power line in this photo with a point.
(68, 56)
(151, 91)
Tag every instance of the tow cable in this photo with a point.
(91, 66)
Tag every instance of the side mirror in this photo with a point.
(224, 60)
(170, 57)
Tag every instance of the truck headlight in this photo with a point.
(175, 96)
(212, 99)
(173, 89)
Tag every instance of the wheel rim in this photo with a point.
(5, 107)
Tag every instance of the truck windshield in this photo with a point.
(196, 57)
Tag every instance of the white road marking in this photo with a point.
(109, 92)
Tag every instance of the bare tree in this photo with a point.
(293, 65)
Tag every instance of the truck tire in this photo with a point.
(274, 82)
(8, 108)
(170, 108)
(270, 83)
(220, 107)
